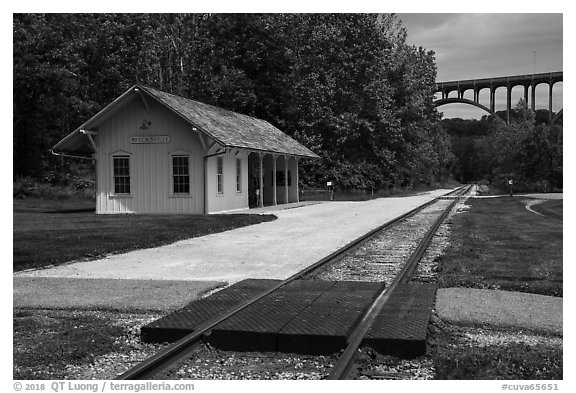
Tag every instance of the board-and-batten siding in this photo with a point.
(150, 164)
(230, 199)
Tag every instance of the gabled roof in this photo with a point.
(227, 128)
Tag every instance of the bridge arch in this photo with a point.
(508, 82)
(454, 100)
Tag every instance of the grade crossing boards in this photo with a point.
(305, 316)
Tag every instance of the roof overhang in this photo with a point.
(273, 153)
(80, 140)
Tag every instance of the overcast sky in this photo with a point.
(472, 46)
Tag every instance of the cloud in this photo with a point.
(473, 46)
(479, 45)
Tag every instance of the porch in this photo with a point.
(272, 179)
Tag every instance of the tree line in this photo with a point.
(527, 151)
(348, 86)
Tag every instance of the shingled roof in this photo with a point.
(227, 128)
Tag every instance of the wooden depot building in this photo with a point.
(156, 152)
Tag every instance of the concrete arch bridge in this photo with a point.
(529, 82)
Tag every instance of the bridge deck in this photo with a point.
(515, 80)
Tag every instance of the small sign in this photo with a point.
(329, 184)
(510, 182)
(150, 139)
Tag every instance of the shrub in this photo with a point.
(24, 187)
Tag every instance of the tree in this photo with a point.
(530, 154)
(348, 86)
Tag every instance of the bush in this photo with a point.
(500, 183)
(24, 187)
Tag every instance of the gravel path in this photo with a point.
(501, 308)
(531, 202)
(275, 249)
(127, 295)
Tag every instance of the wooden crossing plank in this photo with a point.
(305, 316)
(401, 327)
(322, 328)
(256, 327)
(183, 321)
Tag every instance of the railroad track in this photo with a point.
(344, 368)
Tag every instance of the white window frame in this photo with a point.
(239, 175)
(219, 175)
(113, 156)
(171, 156)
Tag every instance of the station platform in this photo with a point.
(306, 316)
(301, 235)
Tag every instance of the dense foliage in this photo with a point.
(348, 86)
(528, 150)
(529, 154)
(466, 141)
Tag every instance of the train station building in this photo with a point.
(156, 152)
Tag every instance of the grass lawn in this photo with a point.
(499, 244)
(55, 232)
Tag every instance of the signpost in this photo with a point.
(330, 189)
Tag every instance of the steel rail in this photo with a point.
(173, 353)
(344, 366)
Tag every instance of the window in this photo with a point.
(180, 175)
(121, 174)
(238, 175)
(220, 174)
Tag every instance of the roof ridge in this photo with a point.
(214, 107)
(226, 127)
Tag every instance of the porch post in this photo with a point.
(296, 179)
(286, 178)
(261, 162)
(274, 196)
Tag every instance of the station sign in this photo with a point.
(150, 139)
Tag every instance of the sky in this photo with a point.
(474, 46)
